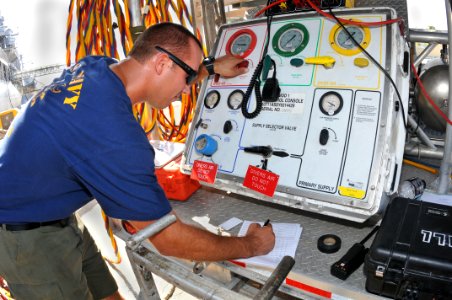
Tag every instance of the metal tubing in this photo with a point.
(419, 150)
(276, 279)
(444, 171)
(201, 287)
(135, 13)
(427, 36)
(420, 133)
(134, 241)
(424, 54)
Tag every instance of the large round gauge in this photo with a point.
(241, 43)
(212, 99)
(342, 43)
(290, 39)
(235, 99)
(331, 103)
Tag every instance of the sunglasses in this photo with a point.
(191, 74)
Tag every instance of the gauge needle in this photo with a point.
(290, 40)
(352, 34)
(331, 103)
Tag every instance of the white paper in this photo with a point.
(231, 223)
(287, 236)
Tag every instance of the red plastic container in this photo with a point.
(175, 184)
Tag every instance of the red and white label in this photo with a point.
(204, 171)
(261, 181)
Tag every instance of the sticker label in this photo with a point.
(261, 181)
(204, 171)
(351, 192)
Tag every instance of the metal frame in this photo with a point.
(145, 261)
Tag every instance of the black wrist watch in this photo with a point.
(208, 63)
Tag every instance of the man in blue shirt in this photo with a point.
(77, 139)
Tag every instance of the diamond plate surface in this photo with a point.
(310, 263)
(400, 6)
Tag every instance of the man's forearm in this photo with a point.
(185, 241)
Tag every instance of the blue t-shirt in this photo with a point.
(75, 140)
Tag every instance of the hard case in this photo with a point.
(411, 256)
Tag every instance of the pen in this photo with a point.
(267, 222)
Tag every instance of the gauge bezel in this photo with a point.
(210, 93)
(235, 36)
(284, 29)
(341, 104)
(229, 99)
(349, 52)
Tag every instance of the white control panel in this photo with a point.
(335, 133)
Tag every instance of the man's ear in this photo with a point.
(158, 62)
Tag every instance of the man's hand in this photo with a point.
(230, 66)
(261, 239)
(226, 66)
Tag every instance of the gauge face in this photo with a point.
(201, 143)
(241, 43)
(290, 39)
(235, 99)
(344, 40)
(212, 99)
(342, 43)
(331, 103)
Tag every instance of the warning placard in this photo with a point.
(204, 171)
(261, 181)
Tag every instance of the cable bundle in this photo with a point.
(97, 33)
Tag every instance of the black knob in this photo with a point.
(227, 127)
(324, 136)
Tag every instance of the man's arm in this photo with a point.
(226, 66)
(185, 241)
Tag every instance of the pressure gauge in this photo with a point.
(342, 43)
(290, 39)
(206, 145)
(331, 103)
(235, 99)
(344, 40)
(241, 43)
(212, 99)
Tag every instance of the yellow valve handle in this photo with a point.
(326, 61)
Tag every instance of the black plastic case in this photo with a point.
(411, 256)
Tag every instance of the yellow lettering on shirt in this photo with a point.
(72, 101)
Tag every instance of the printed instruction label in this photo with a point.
(261, 181)
(287, 103)
(204, 171)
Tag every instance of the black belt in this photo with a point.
(29, 226)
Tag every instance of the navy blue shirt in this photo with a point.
(75, 140)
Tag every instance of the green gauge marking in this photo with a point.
(290, 39)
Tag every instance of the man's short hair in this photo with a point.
(172, 37)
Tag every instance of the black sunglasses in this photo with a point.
(191, 74)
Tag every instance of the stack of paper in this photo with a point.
(287, 238)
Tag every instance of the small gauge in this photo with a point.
(341, 40)
(331, 103)
(241, 43)
(206, 145)
(290, 39)
(212, 99)
(235, 99)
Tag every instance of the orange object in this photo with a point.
(175, 184)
